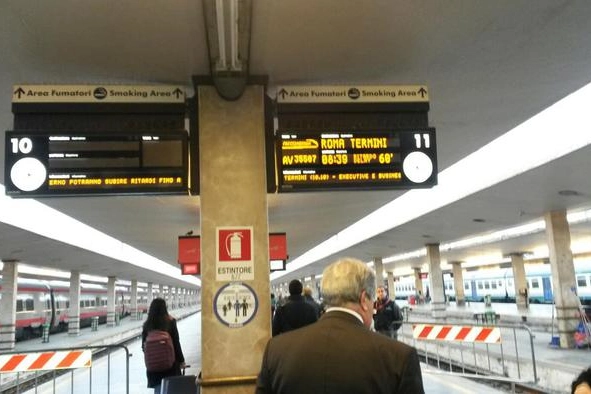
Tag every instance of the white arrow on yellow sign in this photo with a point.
(98, 94)
(353, 94)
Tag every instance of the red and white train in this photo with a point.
(40, 302)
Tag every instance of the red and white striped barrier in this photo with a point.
(456, 333)
(45, 361)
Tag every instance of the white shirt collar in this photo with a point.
(346, 310)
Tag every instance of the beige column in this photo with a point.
(74, 308)
(111, 301)
(8, 306)
(436, 281)
(233, 193)
(133, 301)
(379, 268)
(391, 288)
(418, 283)
(314, 286)
(563, 277)
(150, 294)
(459, 283)
(519, 281)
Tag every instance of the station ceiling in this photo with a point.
(489, 66)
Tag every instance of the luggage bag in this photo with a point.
(184, 384)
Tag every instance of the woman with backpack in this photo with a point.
(163, 355)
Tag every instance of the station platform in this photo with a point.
(537, 316)
(190, 337)
(558, 365)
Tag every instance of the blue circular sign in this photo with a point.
(235, 304)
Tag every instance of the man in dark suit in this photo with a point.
(339, 354)
(295, 313)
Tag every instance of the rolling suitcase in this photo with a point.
(184, 384)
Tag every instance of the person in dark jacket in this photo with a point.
(310, 300)
(295, 313)
(339, 354)
(387, 317)
(159, 319)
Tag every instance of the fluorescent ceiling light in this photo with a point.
(53, 224)
(569, 115)
(221, 63)
(227, 51)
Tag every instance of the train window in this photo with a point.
(92, 303)
(487, 285)
(500, 284)
(29, 304)
(582, 281)
(493, 284)
(81, 304)
(467, 286)
(535, 284)
(67, 304)
(19, 305)
(480, 286)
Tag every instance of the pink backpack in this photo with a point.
(158, 351)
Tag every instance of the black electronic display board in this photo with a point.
(313, 160)
(67, 163)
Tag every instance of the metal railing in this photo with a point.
(102, 375)
(448, 347)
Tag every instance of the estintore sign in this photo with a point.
(234, 257)
(235, 304)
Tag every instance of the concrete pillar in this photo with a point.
(150, 293)
(111, 301)
(564, 283)
(458, 283)
(314, 287)
(161, 291)
(391, 288)
(437, 291)
(418, 283)
(8, 306)
(233, 192)
(74, 308)
(133, 301)
(519, 281)
(379, 268)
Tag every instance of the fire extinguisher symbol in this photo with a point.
(234, 245)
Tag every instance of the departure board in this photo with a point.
(48, 164)
(357, 160)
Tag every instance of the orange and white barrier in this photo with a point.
(456, 333)
(45, 361)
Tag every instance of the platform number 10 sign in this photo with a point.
(25, 163)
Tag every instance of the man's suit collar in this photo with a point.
(345, 312)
